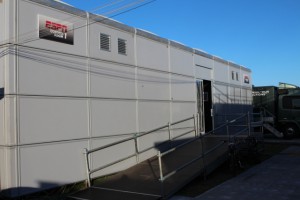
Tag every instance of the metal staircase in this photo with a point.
(268, 120)
(273, 130)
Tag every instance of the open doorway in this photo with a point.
(204, 104)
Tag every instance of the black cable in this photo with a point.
(94, 69)
(108, 18)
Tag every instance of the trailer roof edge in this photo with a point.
(63, 7)
(107, 21)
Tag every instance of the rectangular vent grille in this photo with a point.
(122, 46)
(104, 42)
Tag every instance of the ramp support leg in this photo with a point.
(87, 168)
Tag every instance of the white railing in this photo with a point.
(87, 152)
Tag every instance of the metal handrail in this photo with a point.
(162, 178)
(139, 135)
(204, 154)
(178, 147)
(240, 132)
(225, 124)
(266, 111)
(87, 152)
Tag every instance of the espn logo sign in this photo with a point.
(55, 30)
(246, 79)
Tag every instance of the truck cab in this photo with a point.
(289, 111)
(280, 107)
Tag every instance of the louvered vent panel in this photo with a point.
(104, 42)
(122, 46)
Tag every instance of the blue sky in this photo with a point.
(263, 35)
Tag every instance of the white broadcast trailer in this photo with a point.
(71, 80)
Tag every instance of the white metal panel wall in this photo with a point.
(28, 23)
(44, 119)
(244, 96)
(237, 77)
(9, 168)
(7, 21)
(10, 72)
(221, 94)
(2, 67)
(112, 154)
(2, 167)
(249, 96)
(181, 62)
(3, 24)
(48, 73)
(153, 114)
(231, 95)
(94, 44)
(152, 54)
(203, 67)
(10, 115)
(2, 122)
(153, 85)
(110, 80)
(154, 139)
(182, 110)
(203, 61)
(220, 72)
(7, 35)
(183, 88)
(203, 73)
(112, 117)
(51, 165)
(237, 94)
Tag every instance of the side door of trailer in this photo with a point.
(200, 105)
(204, 105)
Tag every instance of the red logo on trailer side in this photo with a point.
(56, 30)
(56, 26)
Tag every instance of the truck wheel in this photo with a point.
(290, 131)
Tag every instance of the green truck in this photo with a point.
(280, 108)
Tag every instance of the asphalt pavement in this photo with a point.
(277, 178)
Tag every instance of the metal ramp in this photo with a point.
(161, 176)
(142, 180)
(95, 193)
